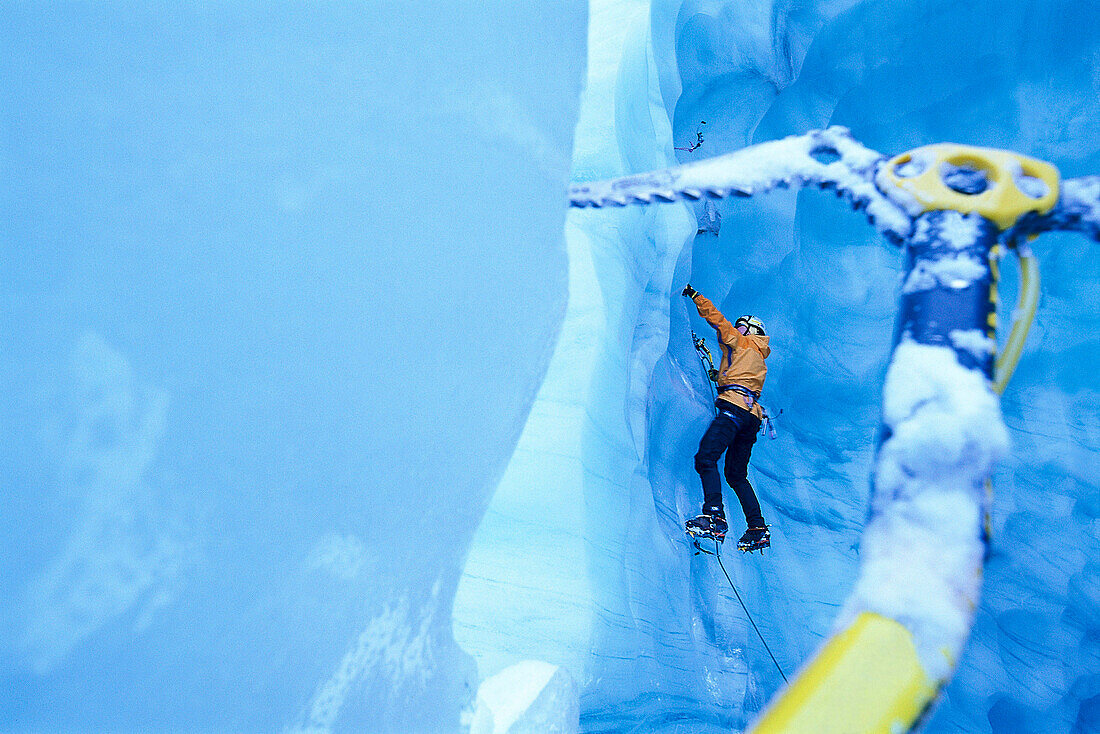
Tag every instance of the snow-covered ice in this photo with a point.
(321, 412)
(530, 697)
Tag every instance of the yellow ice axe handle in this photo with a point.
(866, 679)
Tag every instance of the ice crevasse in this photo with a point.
(315, 395)
(580, 560)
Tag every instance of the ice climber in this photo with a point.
(733, 431)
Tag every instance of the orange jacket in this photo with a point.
(742, 357)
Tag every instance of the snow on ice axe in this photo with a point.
(955, 209)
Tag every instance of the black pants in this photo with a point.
(733, 432)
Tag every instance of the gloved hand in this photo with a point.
(689, 291)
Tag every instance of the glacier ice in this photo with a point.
(668, 650)
(269, 336)
(530, 697)
(315, 423)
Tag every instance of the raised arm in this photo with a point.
(726, 331)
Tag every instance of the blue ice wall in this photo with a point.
(289, 368)
(654, 635)
(279, 283)
(1021, 76)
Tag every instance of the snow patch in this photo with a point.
(395, 644)
(954, 271)
(1036, 188)
(343, 556)
(917, 164)
(829, 158)
(959, 230)
(125, 553)
(1083, 195)
(974, 341)
(531, 697)
(922, 550)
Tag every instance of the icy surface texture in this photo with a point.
(280, 282)
(531, 697)
(1021, 76)
(576, 563)
(282, 286)
(654, 636)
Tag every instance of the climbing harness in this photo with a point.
(750, 394)
(955, 209)
(765, 421)
(754, 398)
(712, 375)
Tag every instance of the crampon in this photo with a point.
(755, 539)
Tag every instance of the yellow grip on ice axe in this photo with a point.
(1014, 184)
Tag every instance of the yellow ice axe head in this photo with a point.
(1014, 184)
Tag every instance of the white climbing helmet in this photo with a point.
(755, 325)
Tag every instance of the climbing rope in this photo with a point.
(1005, 367)
(707, 362)
(718, 555)
(911, 201)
